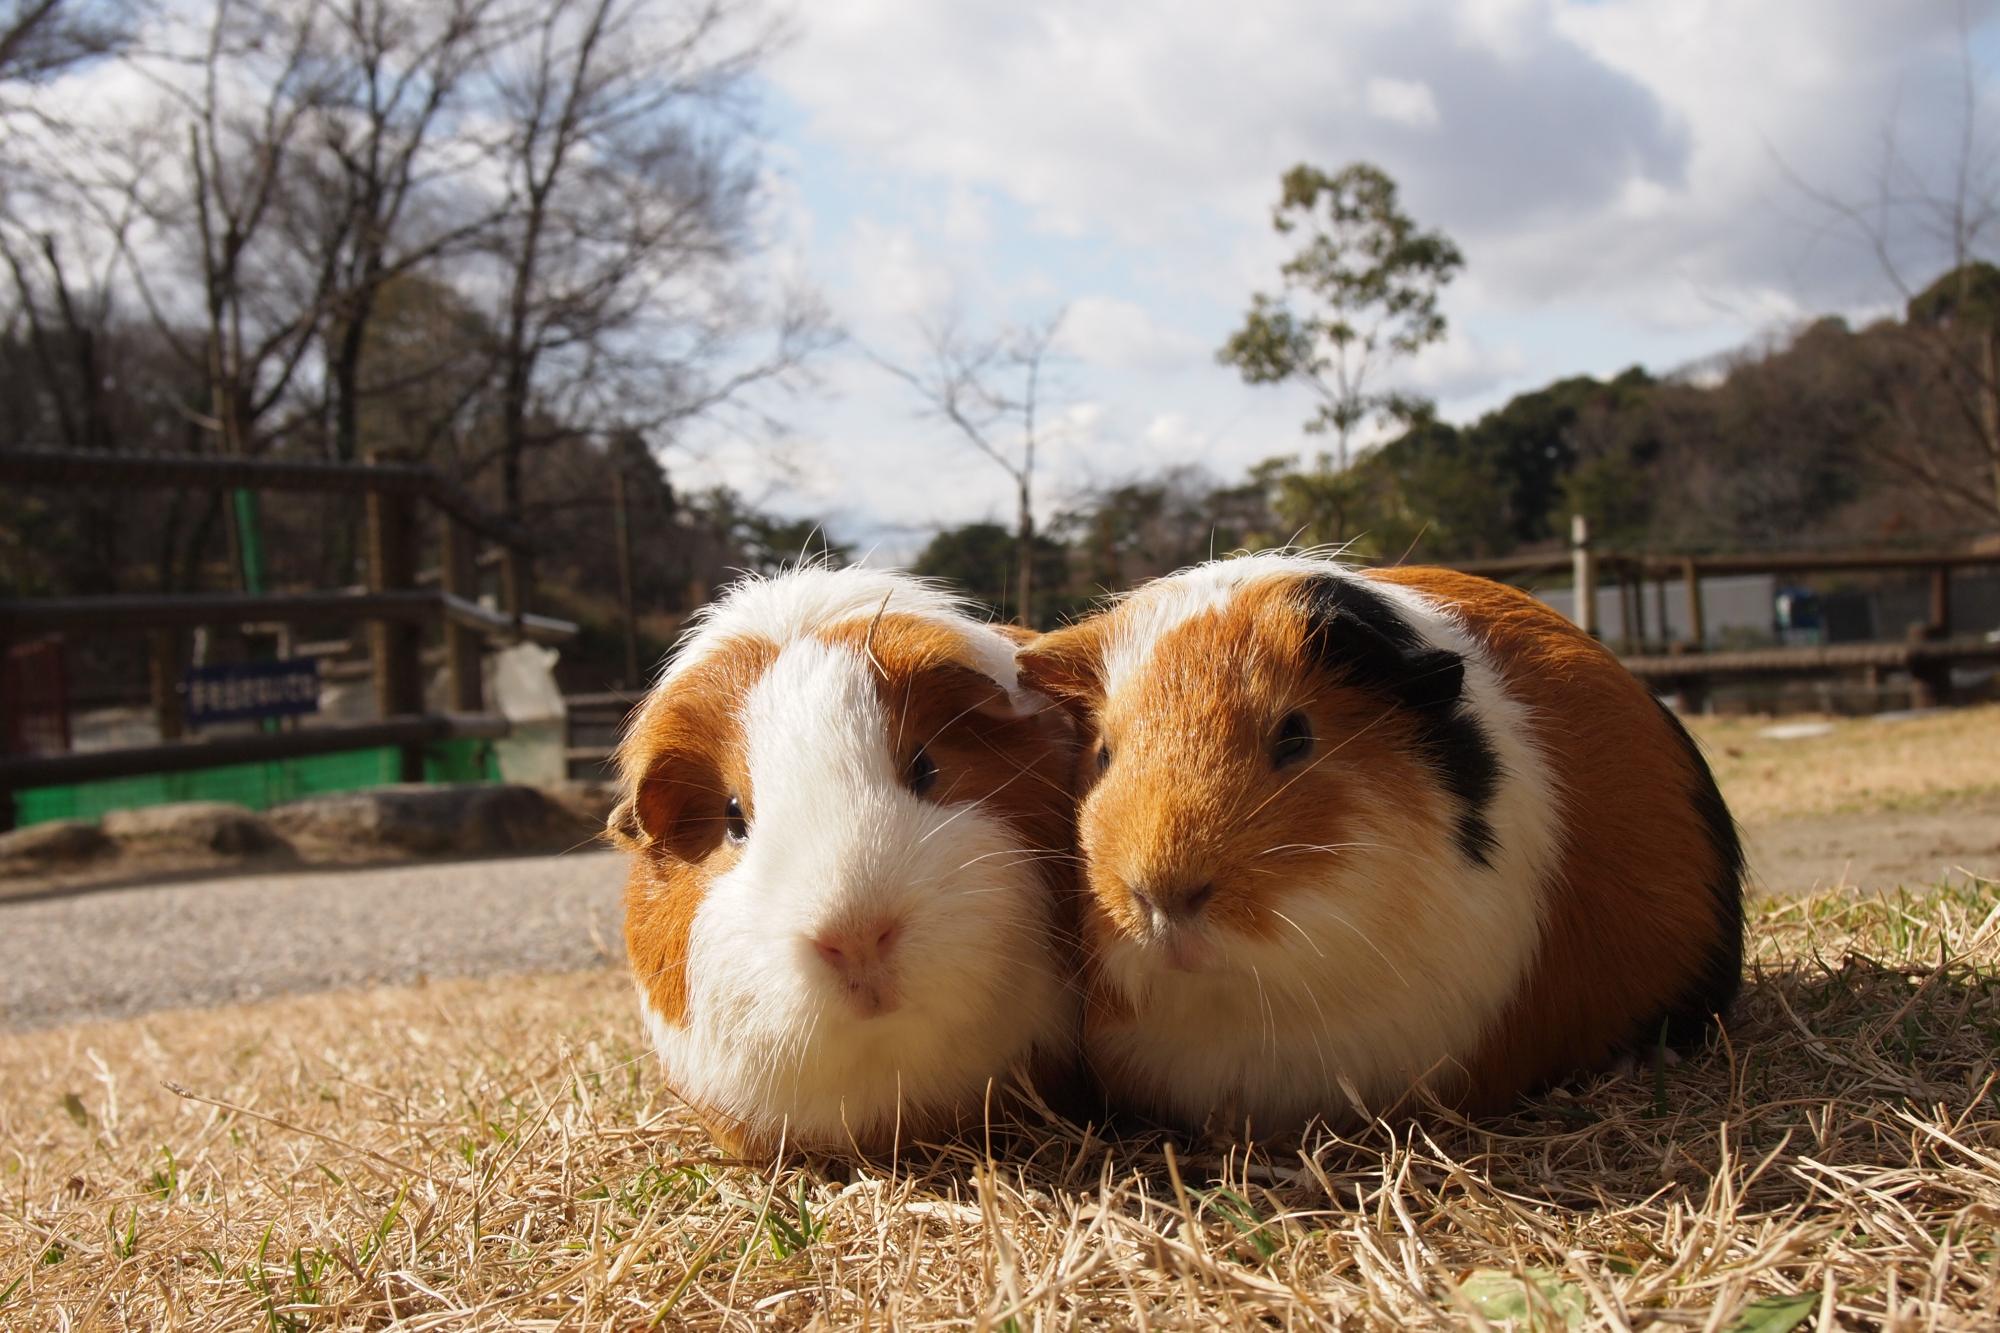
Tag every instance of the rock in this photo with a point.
(195, 826)
(590, 802)
(511, 818)
(385, 819)
(467, 819)
(55, 843)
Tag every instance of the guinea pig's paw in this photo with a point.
(1639, 1064)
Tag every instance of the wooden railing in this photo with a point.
(1927, 652)
(395, 605)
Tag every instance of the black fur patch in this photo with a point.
(1359, 636)
(1692, 1016)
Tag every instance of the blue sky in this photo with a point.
(1623, 177)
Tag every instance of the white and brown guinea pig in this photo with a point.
(1350, 832)
(851, 899)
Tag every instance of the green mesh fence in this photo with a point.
(259, 785)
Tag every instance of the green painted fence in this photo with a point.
(258, 786)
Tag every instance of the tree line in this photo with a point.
(516, 241)
(1827, 435)
(521, 242)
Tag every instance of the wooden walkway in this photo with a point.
(1816, 659)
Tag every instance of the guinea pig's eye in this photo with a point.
(734, 826)
(1294, 742)
(1103, 755)
(923, 774)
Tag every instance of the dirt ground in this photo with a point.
(1899, 800)
(1876, 849)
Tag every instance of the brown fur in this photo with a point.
(1631, 917)
(1209, 808)
(1213, 807)
(1017, 766)
(684, 755)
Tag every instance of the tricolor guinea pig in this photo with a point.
(1347, 834)
(850, 905)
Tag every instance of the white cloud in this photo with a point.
(1405, 102)
(1119, 334)
(1617, 174)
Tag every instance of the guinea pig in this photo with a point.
(851, 899)
(1350, 834)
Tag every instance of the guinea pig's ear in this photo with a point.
(679, 804)
(1066, 664)
(671, 763)
(622, 828)
(967, 691)
(1354, 632)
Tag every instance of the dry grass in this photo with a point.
(1861, 764)
(501, 1154)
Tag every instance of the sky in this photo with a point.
(1631, 182)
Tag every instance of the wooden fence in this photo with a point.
(395, 605)
(1927, 653)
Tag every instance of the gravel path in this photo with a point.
(120, 952)
(1877, 849)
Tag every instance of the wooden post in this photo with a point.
(461, 644)
(515, 577)
(1630, 610)
(7, 703)
(1697, 621)
(165, 673)
(1635, 588)
(627, 613)
(1583, 567)
(395, 649)
(1940, 626)
(1930, 682)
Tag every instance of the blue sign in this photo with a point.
(235, 691)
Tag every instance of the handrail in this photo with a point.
(72, 467)
(41, 770)
(1656, 565)
(136, 612)
(498, 624)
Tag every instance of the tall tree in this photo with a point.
(380, 169)
(970, 382)
(1361, 291)
(216, 206)
(976, 558)
(630, 195)
(1919, 214)
(43, 38)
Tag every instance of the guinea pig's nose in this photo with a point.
(1160, 905)
(850, 948)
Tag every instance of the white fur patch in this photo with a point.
(786, 607)
(795, 604)
(1298, 1025)
(1151, 611)
(768, 1038)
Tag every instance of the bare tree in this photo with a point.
(965, 381)
(221, 216)
(630, 198)
(1911, 221)
(40, 41)
(397, 71)
(42, 38)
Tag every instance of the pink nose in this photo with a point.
(854, 951)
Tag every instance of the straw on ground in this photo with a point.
(501, 1153)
